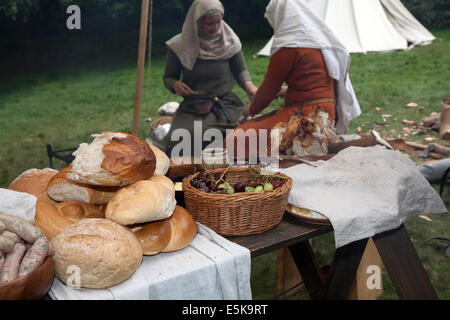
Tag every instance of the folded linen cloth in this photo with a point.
(19, 204)
(211, 267)
(363, 191)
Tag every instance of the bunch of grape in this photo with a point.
(215, 183)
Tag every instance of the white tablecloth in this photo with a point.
(363, 191)
(211, 267)
(19, 204)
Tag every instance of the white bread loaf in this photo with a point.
(167, 235)
(143, 201)
(112, 159)
(35, 182)
(53, 219)
(106, 253)
(162, 160)
(62, 189)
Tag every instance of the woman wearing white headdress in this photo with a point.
(203, 62)
(307, 56)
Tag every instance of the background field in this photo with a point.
(61, 90)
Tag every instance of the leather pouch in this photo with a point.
(205, 108)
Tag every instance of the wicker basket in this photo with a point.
(241, 213)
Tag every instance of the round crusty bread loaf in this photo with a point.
(105, 253)
(35, 182)
(112, 159)
(143, 201)
(62, 189)
(162, 160)
(167, 235)
(52, 219)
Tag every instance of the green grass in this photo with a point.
(67, 89)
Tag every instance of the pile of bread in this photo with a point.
(109, 207)
(305, 135)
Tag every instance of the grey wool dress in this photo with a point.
(208, 79)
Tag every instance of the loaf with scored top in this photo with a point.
(112, 159)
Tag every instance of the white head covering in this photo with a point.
(190, 45)
(297, 26)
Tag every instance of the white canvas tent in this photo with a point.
(369, 25)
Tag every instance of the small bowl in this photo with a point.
(33, 286)
(213, 158)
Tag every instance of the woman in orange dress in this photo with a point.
(310, 60)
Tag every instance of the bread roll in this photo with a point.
(144, 201)
(112, 159)
(154, 236)
(76, 210)
(53, 219)
(162, 160)
(35, 182)
(62, 189)
(183, 229)
(105, 253)
(167, 235)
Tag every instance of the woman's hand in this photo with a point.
(246, 116)
(282, 92)
(250, 89)
(182, 89)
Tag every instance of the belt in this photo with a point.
(310, 102)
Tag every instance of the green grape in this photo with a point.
(259, 189)
(249, 189)
(268, 187)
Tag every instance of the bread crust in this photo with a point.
(35, 182)
(53, 219)
(105, 253)
(129, 160)
(154, 236)
(167, 235)
(143, 201)
(62, 189)
(183, 228)
(162, 160)
(122, 160)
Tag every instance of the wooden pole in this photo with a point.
(140, 66)
(150, 33)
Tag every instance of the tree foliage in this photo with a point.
(431, 13)
(112, 15)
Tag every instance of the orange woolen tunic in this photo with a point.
(306, 75)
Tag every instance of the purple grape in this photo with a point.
(239, 187)
(194, 183)
(213, 187)
(201, 185)
(202, 175)
(277, 183)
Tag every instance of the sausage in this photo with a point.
(34, 257)
(51, 250)
(11, 235)
(1, 261)
(24, 229)
(6, 244)
(2, 227)
(12, 262)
